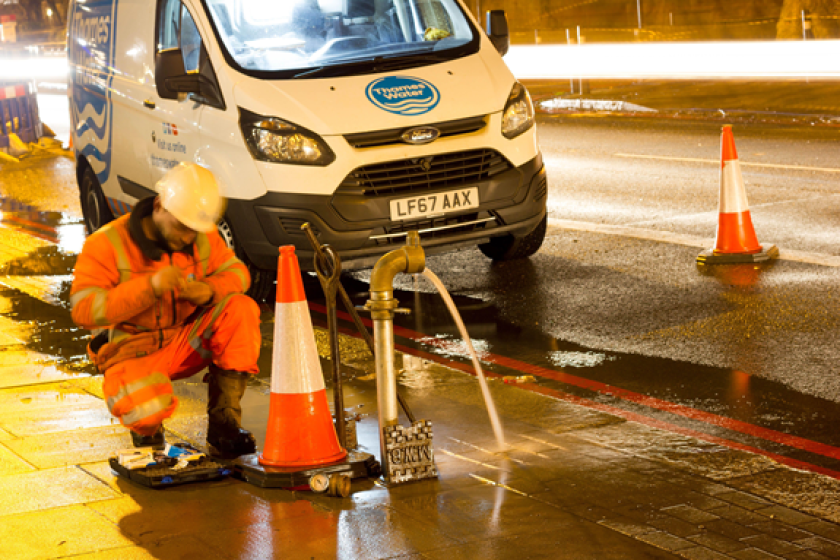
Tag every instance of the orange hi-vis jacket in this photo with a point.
(112, 286)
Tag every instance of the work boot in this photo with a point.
(225, 435)
(156, 441)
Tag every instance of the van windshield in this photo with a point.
(316, 38)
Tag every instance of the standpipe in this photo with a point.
(410, 259)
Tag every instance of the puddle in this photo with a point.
(50, 260)
(449, 346)
(729, 393)
(61, 228)
(418, 373)
(48, 329)
(578, 359)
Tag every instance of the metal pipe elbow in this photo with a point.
(410, 259)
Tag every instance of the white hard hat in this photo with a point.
(191, 194)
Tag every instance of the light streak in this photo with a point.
(651, 60)
(34, 68)
(689, 60)
(743, 163)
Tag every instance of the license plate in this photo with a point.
(434, 204)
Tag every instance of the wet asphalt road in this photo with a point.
(744, 349)
(663, 175)
(745, 353)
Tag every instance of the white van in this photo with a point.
(365, 118)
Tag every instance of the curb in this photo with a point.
(563, 106)
(593, 105)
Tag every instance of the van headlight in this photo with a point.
(279, 141)
(518, 115)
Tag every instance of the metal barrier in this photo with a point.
(19, 113)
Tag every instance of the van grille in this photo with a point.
(394, 135)
(426, 173)
(542, 189)
(292, 227)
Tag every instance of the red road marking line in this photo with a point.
(30, 223)
(641, 419)
(621, 413)
(34, 229)
(631, 396)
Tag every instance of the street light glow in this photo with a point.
(34, 68)
(616, 61)
(676, 61)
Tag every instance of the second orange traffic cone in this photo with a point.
(300, 429)
(735, 240)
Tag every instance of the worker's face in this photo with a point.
(175, 234)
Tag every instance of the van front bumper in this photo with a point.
(360, 228)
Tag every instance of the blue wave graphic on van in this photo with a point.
(403, 95)
(91, 48)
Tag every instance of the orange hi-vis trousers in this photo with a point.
(139, 390)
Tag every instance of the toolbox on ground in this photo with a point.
(173, 465)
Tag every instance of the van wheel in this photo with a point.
(95, 208)
(262, 281)
(508, 248)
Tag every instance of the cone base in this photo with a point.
(712, 256)
(355, 465)
(332, 459)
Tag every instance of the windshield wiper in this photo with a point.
(397, 63)
(333, 69)
(311, 72)
(371, 65)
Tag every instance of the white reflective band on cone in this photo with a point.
(733, 196)
(295, 367)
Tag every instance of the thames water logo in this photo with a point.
(403, 95)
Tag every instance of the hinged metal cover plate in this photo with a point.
(410, 453)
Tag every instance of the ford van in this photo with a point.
(365, 118)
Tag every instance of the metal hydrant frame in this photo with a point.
(410, 259)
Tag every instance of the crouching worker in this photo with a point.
(170, 295)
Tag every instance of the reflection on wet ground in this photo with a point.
(577, 477)
(37, 277)
(37, 255)
(47, 328)
(732, 404)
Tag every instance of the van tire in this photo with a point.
(95, 208)
(508, 248)
(262, 281)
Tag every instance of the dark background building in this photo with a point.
(667, 20)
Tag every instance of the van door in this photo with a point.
(176, 123)
(131, 94)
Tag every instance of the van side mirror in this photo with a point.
(172, 79)
(497, 30)
(170, 76)
(188, 83)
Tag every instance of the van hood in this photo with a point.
(478, 84)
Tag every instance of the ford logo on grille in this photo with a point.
(420, 135)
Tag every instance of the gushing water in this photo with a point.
(485, 390)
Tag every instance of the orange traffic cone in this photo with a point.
(300, 430)
(735, 241)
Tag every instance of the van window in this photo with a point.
(303, 38)
(178, 30)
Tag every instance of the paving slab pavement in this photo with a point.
(577, 481)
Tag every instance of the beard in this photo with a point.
(169, 241)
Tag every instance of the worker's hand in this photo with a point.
(167, 279)
(197, 293)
